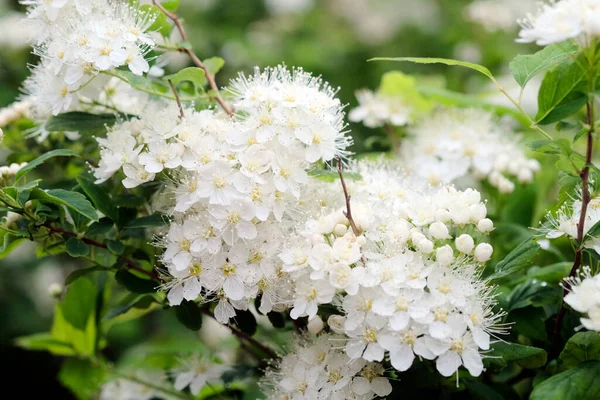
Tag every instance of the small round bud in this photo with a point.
(477, 212)
(55, 290)
(444, 255)
(525, 175)
(506, 186)
(461, 217)
(336, 323)
(438, 230)
(485, 225)
(472, 196)
(416, 236)
(442, 215)
(425, 246)
(483, 252)
(464, 243)
(340, 230)
(315, 325)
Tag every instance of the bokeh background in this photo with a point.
(331, 38)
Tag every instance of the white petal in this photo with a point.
(448, 363)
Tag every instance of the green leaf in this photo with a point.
(246, 321)
(10, 242)
(327, 175)
(447, 61)
(171, 5)
(73, 200)
(277, 319)
(581, 347)
(533, 293)
(99, 197)
(189, 314)
(161, 23)
(77, 248)
(190, 74)
(529, 322)
(525, 67)
(131, 307)
(135, 284)
(526, 356)
(79, 303)
(115, 246)
(45, 342)
(78, 273)
(398, 84)
(150, 221)
(214, 64)
(82, 341)
(41, 159)
(556, 88)
(100, 228)
(481, 391)
(78, 121)
(518, 259)
(553, 273)
(82, 377)
(579, 383)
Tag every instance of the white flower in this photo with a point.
(483, 252)
(464, 243)
(554, 23)
(196, 373)
(309, 295)
(376, 109)
(583, 297)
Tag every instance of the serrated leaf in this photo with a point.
(189, 314)
(99, 197)
(525, 67)
(579, 383)
(558, 89)
(214, 64)
(446, 61)
(78, 121)
(73, 200)
(41, 159)
(517, 260)
(526, 356)
(581, 347)
(77, 248)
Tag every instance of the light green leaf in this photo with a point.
(190, 74)
(45, 342)
(526, 356)
(40, 160)
(518, 259)
(446, 61)
(581, 347)
(161, 23)
(327, 175)
(579, 383)
(79, 303)
(398, 84)
(559, 89)
(82, 377)
(214, 64)
(73, 200)
(78, 121)
(525, 67)
(170, 5)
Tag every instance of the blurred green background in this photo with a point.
(331, 38)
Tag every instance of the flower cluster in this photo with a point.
(235, 180)
(196, 373)
(133, 389)
(409, 281)
(498, 15)
(562, 20)
(455, 144)
(318, 369)
(583, 297)
(14, 112)
(78, 39)
(376, 110)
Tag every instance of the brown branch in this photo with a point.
(128, 261)
(177, 99)
(348, 212)
(585, 201)
(389, 129)
(209, 77)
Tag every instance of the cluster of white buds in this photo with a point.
(376, 110)
(583, 297)
(561, 20)
(235, 180)
(8, 172)
(455, 144)
(409, 281)
(79, 39)
(130, 389)
(14, 112)
(197, 372)
(318, 369)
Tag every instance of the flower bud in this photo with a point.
(442, 215)
(315, 325)
(336, 323)
(425, 246)
(444, 256)
(483, 252)
(438, 230)
(55, 290)
(464, 243)
(485, 225)
(477, 212)
(340, 230)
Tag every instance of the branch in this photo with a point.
(177, 99)
(348, 212)
(128, 261)
(585, 201)
(209, 77)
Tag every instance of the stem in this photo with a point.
(348, 212)
(389, 129)
(181, 113)
(585, 201)
(209, 77)
(129, 262)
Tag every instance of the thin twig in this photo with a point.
(128, 261)
(209, 76)
(177, 99)
(348, 212)
(585, 201)
(389, 129)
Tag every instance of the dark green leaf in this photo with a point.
(189, 314)
(526, 356)
(73, 200)
(246, 321)
(76, 248)
(10, 241)
(41, 159)
(100, 228)
(132, 306)
(534, 293)
(518, 259)
(115, 246)
(103, 257)
(150, 221)
(135, 284)
(99, 197)
(45, 342)
(481, 391)
(568, 107)
(78, 273)
(525, 67)
(82, 377)
(579, 383)
(581, 347)
(556, 88)
(78, 121)
(529, 322)
(553, 273)
(277, 319)
(79, 303)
